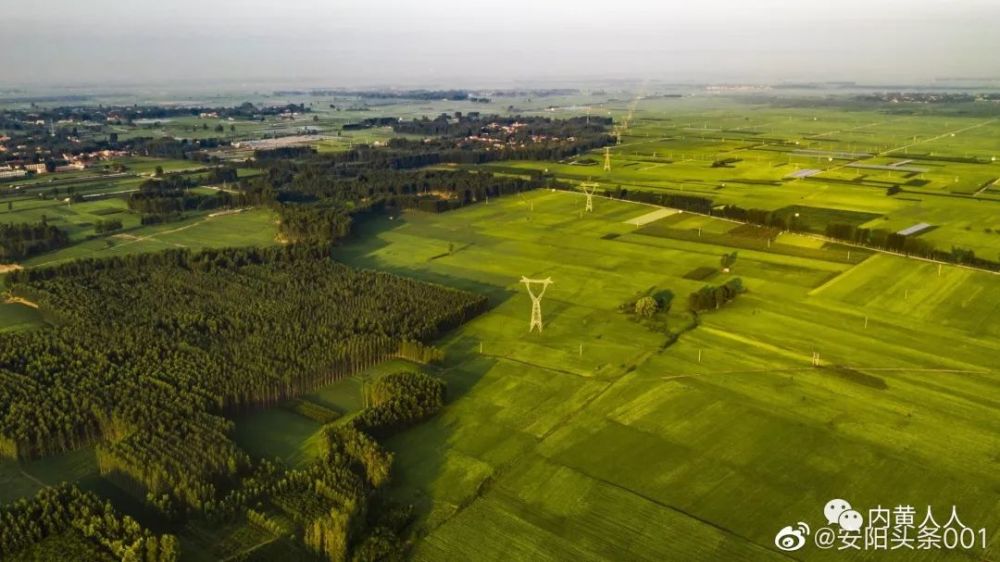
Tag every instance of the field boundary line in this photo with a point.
(805, 234)
(675, 509)
(805, 369)
(249, 550)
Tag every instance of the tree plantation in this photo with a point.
(149, 353)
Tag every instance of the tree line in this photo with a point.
(909, 245)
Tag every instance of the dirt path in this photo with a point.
(32, 478)
(19, 300)
(249, 550)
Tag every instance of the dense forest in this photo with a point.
(75, 525)
(23, 240)
(149, 353)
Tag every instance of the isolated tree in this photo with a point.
(647, 307)
(158, 172)
(727, 261)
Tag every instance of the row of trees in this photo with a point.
(714, 296)
(106, 226)
(910, 245)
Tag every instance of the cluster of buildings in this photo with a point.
(69, 163)
(502, 136)
(17, 171)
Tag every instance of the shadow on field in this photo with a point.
(428, 473)
(365, 241)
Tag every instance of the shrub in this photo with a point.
(647, 307)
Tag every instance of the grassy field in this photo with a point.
(256, 227)
(16, 316)
(593, 441)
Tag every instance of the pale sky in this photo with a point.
(485, 43)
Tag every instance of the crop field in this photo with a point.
(762, 155)
(599, 437)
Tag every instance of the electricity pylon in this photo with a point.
(536, 301)
(607, 159)
(589, 188)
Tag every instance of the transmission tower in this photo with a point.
(607, 159)
(589, 188)
(536, 301)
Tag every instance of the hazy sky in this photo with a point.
(472, 42)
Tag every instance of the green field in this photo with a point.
(16, 316)
(592, 441)
(256, 227)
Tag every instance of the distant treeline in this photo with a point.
(35, 136)
(429, 95)
(319, 206)
(125, 114)
(370, 123)
(522, 127)
(318, 196)
(171, 195)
